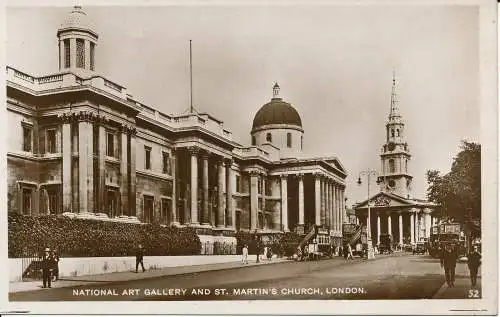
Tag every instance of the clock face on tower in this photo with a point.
(391, 146)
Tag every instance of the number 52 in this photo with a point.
(473, 293)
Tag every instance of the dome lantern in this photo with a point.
(77, 42)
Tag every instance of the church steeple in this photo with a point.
(394, 176)
(394, 112)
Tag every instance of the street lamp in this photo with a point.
(368, 173)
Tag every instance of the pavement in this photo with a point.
(463, 287)
(15, 287)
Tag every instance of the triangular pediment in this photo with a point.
(383, 199)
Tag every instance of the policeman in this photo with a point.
(47, 265)
(449, 261)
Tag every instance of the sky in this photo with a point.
(334, 64)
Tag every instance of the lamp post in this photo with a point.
(368, 173)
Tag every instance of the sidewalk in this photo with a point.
(15, 287)
(463, 288)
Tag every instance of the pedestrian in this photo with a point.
(47, 265)
(55, 258)
(346, 252)
(449, 261)
(474, 261)
(349, 252)
(139, 255)
(244, 255)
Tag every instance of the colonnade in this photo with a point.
(420, 224)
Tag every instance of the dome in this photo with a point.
(276, 111)
(77, 19)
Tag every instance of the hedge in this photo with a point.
(280, 243)
(94, 238)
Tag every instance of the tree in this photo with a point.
(458, 193)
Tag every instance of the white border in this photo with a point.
(488, 305)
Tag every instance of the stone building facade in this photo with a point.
(80, 144)
(394, 210)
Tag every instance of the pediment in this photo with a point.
(384, 200)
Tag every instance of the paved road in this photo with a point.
(388, 277)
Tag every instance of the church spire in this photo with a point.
(394, 112)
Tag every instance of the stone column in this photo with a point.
(417, 225)
(378, 228)
(328, 200)
(222, 185)
(337, 209)
(101, 195)
(61, 55)
(133, 194)
(323, 201)
(334, 208)
(400, 228)
(428, 223)
(85, 165)
(317, 198)
(206, 213)
(301, 199)
(412, 227)
(193, 151)
(254, 200)
(175, 177)
(263, 194)
(284, 202)
(229, 194)
(389, 224)
(123, 170)
(344, 211)
(66, 164)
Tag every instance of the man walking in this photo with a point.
(474, 261)
(139, 258)
(449, 262)
(244, 255)
(349, 252)
(47, 265)
(55, 257)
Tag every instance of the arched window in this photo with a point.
(269, 137)
(301, 142)
(397, 132)
(289, 139)
(392, 168)
(253, 140)
(406, 165)
(392, 133)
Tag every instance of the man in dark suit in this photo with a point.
(139, 255)
(449, 262)
(474, 261)
(47, 266)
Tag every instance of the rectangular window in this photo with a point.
(166, 213)
(27, 131)
(147, 156)
(238, 184)
(67, 63)
(92, 52)
(53, 199)
(51, 141)
(259, 186)
(289, 139)
(27, 201)
(110, 145)
(148, 209)
(112, 203)
(166, 163)
(80, 53)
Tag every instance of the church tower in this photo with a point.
(394, 177)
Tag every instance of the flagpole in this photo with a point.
(191, 76)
